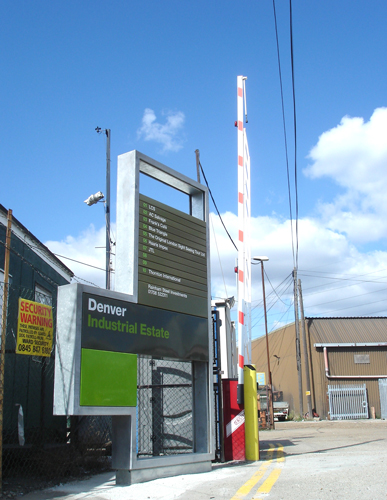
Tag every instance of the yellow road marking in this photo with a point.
(249, 485)
(280, 454)
(270, 452)
(269, 483)
(255, 478)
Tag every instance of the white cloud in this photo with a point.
(328, 262)
(87, 252)
(166, 134)
(354, 155)
(338, 278)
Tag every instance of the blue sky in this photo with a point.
(162, 77)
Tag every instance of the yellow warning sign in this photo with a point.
(34, 329)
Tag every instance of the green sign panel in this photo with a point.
(108, 378)
(172, 259)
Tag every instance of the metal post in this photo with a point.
(306, 357)
(251, 412)
(107, 208)
(3, 335)
(197, 153)
(298, 347)
(269, 403)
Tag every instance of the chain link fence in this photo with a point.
(164, 402)
(40, 449)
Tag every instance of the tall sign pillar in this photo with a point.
(162, 259)
(161, 309)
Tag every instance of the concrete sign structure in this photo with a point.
(161, 308)
(92, 352)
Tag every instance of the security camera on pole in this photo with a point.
(95, 198)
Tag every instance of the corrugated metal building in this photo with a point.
(341, 351)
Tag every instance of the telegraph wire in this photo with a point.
(217, 250)
(268, 279)
(343, 279)
(34, 247)
(294, 125)
(39, 250)
(23, 259)
(273, 303)
(260, 319)
(269, 296)
(351, 307)
(350, 298)
(341, 274)
(284, 127)
(326, 290)
(216, 208)
(83, 263)
(78, 279)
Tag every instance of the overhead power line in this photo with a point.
(294, 125)
(216, 208)
(343, 279)
(285, 135)
(79, 262)
(294, 236)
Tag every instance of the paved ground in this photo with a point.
(299, 460)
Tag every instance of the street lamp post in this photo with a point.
(94, 198)
(270, 402)
(107, 209)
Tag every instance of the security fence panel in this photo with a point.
(216, 370)
(383, 398)
(164, 407)
(40, 449)
(347, 402)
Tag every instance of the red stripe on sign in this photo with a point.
(240, 92)
(240, 126)
(241, 276)
(240, 197)
(241, 236)
(240, 161)
(241, 361)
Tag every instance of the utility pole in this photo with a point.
(306, 356)
(107, 208)
(269, 401)
(197, 153)
(3, 334)
(298, 347)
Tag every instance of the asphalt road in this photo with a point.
(318, 460)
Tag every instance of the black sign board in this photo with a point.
(172, 259)
(115, 325)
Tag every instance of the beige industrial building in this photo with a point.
(346, 355)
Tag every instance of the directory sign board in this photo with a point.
(172, 259)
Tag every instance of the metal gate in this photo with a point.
(164, 407)
(347, 401)
(216, 369)
(383, 398)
